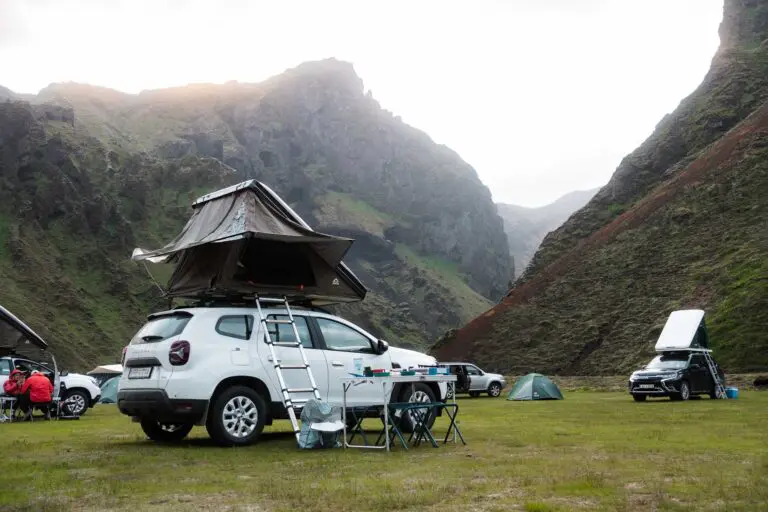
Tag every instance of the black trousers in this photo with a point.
(25, 403)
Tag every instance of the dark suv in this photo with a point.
(678, 375)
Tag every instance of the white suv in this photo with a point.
(212, 366)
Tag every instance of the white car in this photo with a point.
(212, 366)
(81, 391)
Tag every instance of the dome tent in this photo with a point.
(534, 386)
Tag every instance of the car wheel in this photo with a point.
(494, 389)
(237, 417)
(77, 402)
(449, 393)
(165, 432)
(420, 393)
(639, 398)
(685, 391)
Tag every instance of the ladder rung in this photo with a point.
(274, 321)
(300, 390)
(271, 300)
(286, 343)
(292, 366)
(300, 401)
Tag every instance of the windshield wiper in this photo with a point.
(152, 337)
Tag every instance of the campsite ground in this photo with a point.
(592, 451)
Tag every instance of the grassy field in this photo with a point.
(592, 451)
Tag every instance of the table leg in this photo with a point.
(386, 413)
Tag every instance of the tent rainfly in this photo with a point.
(534, 386)
(685, 329)
(244, 240)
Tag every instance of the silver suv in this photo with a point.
(211, 366)
(471, 379)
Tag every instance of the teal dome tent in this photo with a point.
(534, 386)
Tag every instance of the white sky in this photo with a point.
(542, 97)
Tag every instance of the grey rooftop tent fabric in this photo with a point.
(14, 334)
(244, 240)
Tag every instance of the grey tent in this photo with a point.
(244, 240)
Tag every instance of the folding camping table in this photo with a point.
(6, 402)
(391, 430)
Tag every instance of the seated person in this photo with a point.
(37, 391)
(12, 387)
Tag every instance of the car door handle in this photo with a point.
(337, 363)
(269, 358)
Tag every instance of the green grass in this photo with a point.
(344, 210)
(592, 451)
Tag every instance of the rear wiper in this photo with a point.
(151, 337)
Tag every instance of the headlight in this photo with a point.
(673, 376)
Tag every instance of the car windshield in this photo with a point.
(668, 362)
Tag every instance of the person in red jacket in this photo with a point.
(37, 391)
(12, 387)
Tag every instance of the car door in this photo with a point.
(348, 350)
(700, 378)
(291, 356)
(475, 378)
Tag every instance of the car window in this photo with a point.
(29, 366)
(161, 328)
(668, 362)
(283, 333)
(338, 336)
(235, 326)
(5, 366)
(472, 370)
(696, 359)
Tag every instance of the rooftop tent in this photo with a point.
(244, 240)
(534, 386)
(684, 329)
(15, 334)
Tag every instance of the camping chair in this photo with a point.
(62, 408)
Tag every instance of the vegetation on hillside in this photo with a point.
(683, 223)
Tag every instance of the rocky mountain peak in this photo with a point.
(745, 23)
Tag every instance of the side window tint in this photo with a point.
(5, 366)
(471, 370)
(235, 326)
(283, 333)
(338, 336)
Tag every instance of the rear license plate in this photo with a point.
(646, 386)
(140, 373)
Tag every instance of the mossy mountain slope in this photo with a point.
(90, 173)
(683, 223)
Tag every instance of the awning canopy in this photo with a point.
(107, 369)
(244, 240)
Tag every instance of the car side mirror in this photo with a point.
(381, 346)
(64, 373)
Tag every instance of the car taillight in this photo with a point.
(179, 353)
(122, 358)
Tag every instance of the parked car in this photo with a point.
(473, 380)
(82, 391)
(212, 366)
(675, 374)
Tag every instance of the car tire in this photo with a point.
(494, 390)
(449, 393)
(638, 397)
(165, 432)
(685, 391)
(421, 392)
(236, 417)
(80, 401)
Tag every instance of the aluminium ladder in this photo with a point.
(289, 402)
(719, 388)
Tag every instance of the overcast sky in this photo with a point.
(542, 97)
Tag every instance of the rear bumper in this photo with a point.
(155, 404)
